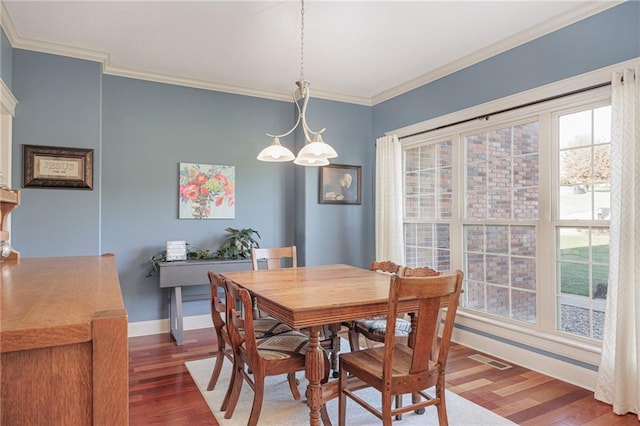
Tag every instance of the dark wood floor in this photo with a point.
(161, 391)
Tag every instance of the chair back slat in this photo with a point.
(274, 257)
(420, 271)
(385, 266)
(218, 307)
(429, 291)
(240, 314)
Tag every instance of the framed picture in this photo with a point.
(57, 167)
(340, 184)
(206, 191)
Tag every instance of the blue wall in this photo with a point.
(59, 104)
(141, 130)
(607, 38)
(148, 128)
(6, 59)
(333, 233)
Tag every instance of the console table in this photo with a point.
(185, 273)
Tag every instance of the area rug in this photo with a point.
(279, 408)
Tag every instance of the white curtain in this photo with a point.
(618, 380)
(389, 233)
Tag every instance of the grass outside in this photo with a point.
(574, 276)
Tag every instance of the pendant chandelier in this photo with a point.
(315, 151)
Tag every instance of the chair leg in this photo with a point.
(335, 347)
(216, 370)
(293, 385)
(227, 395)
(399, 405)
(442, 406)
(386, 409)
(258, 395)
(235, 390)
(342, 399)
(354, 340)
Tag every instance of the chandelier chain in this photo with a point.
(302, 41)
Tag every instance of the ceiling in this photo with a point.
(356, 51)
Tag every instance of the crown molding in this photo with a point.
(103, 58)
(417, 131)
(138, 74)
(516, 40)
(7, 100)
(109, 68)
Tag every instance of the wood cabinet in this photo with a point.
(9, 200)
(63, 342)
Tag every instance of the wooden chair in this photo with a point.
(280, 354)
(218, 309)
(395, 369)
(263, 327)
(374, 329)
(277, 258)
(274, 257)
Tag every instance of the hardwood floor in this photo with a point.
(161, 391)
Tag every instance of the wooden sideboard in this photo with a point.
(63, 342)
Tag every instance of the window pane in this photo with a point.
(585, 166)
(497, 239)
(573, 244)
(498, 300)
(582, 253)
(523, 241)
(575, 180)
(575, 129)
(500, 261)
(523, 273)
(428, 189)
(427, 244)
(524, 306)
(583, 276)
(525, 139)
(501, 173)
(602, 124)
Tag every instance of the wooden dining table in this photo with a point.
(312, 297)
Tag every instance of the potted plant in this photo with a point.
(238, 244)
(193, 253)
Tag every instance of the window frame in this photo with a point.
(546, 114)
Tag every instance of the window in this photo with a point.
(582, 242)
(521, 205)
(428, 197)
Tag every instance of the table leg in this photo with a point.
(314, 372)
(175, 315)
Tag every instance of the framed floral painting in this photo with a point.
(207, 191)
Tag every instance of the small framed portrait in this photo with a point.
(57, 167)
(340, 184)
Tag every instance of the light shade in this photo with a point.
(316, 162)
(316, 150)
(276, 152)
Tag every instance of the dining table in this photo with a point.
(312, 297)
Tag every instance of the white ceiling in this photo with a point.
(357, 51)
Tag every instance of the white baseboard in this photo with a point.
(512, 352)
(145, 328)
(499, 347)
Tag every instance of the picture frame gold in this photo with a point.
(340, 184)
(57, 167)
